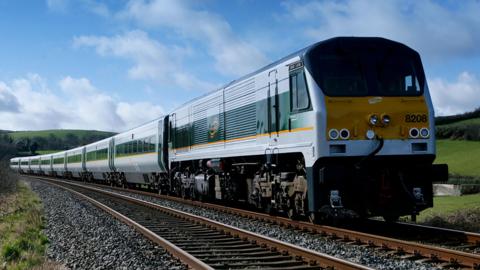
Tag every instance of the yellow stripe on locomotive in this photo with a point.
(389, 118)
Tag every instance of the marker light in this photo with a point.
(424, 132)
(414, 133)
(344, 134)
(370, 134)
(373, 119)
(333, 134)
(386, 119)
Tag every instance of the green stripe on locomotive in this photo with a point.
(245, 121)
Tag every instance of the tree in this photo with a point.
(34, 148)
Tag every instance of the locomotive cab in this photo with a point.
(378, 129)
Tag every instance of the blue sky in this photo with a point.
(112, 65)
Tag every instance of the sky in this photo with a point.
(115, 64)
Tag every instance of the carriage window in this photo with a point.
(299, 99)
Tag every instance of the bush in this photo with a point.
(463, 180)
(468, 220)
(8, 179)
(11, 252)
(459, 132)
(443, 120)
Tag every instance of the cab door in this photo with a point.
(273, 106)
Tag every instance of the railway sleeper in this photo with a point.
(241, 251)
(267, 258)
(265, 265)
(203, 256)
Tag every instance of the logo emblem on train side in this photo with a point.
(375, 100)
(213, 126)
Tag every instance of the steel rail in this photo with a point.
(310, 256)
(417, 250)
(178, 253)
(470, 237)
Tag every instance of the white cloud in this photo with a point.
(455, 97)
(152, 60)
(232, 55)
(129, 112)
(79, 105)
(8, 101)
(97, 8)
(437, 30)
(93, 6)
(58, 5)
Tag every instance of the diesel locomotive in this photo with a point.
(344, 125)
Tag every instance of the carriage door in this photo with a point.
(273, 106)
(111, 156)
(161, 144)
(172, 133)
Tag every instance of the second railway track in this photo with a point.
(206, 244)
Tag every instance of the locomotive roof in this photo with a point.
(352, 42)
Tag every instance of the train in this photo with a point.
(345, 125)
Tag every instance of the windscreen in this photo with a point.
(366, 67)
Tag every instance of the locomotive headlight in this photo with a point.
(373, 120)
(386, 119)
(424, 132)
(333, 134)
(344, 134)
(414, 133)
(370, 134)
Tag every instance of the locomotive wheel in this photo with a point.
(312, 217)
(292, 213)
(193, 193)
(183, 192)
(269, 208)
(258, 199)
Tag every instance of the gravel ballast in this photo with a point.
(82, 236)
(357, 254)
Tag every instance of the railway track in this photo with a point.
(202, 243)
(409, 250)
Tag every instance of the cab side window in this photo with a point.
(299, 99)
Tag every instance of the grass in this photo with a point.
(22, 242)
(45, 152)
(446, 205)
(59, 133)
(462, 157)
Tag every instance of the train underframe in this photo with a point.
(336, 187)
(273, 183)
(387, 186)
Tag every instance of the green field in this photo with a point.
(445, 205)
(45, 152)
(60, 133)
(462, 157)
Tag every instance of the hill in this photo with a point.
(443, 120)
(459, 127)
(48, 140)
(59, 133)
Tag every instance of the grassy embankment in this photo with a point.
(457, 212)
(22, 242)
